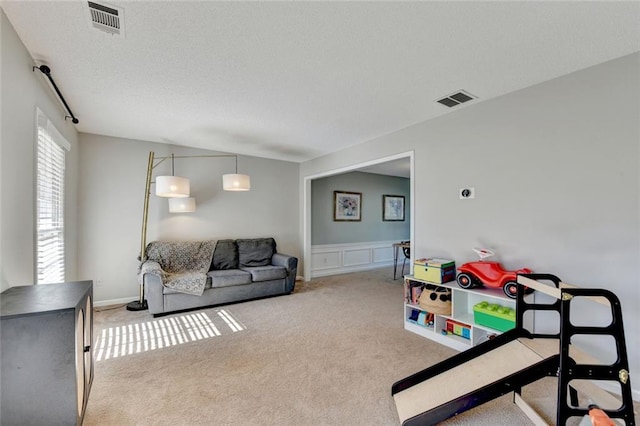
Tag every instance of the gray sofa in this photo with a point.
(240, 270)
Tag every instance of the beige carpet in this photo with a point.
(325, 355)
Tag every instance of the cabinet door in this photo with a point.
(80, 380)
(88, 343)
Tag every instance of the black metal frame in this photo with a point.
(47, 71)
(560, 365)
(569, 370)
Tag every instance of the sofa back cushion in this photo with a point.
(177, 257)
(225, 256)
(256, 251)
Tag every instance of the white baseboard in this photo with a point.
(349, 269)
(99, 303)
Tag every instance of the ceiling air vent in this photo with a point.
(456, 99)
(106, 17)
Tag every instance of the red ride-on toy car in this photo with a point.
(489, 274)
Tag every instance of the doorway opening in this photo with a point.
(401, 165)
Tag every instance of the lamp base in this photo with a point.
(137, 306)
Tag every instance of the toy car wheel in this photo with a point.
(465, 280)
(511, 289)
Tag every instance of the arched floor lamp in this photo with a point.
(177, 187)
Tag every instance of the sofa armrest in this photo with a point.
(152, 282)
(290, 263)
(153, 293)
(150, 267)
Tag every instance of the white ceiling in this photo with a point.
(399, 168)
(296, 80)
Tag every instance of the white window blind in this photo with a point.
(51, 148)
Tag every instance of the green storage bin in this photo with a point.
(494, 316)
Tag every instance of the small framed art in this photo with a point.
(393, 207)
(347, 206)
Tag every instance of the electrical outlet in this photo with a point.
(99, 282)
(467, 193)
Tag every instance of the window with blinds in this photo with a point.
(50, 165)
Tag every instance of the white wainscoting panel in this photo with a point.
(356, 257)
(383, 254)
(326, 259)
(333, 259)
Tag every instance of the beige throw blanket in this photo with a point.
(181, 265)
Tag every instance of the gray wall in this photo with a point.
(22, 91)
(105, 188)
(371, 228)
(111, 193)
(556, 169)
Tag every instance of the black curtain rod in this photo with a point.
(47, 71)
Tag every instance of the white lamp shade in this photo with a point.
(172, 186)
(236, 182)
(182, 205)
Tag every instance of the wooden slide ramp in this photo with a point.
(519, 357)
(489, 368)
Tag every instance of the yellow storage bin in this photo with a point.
(434, 270)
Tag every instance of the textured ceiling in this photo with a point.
(296, 80)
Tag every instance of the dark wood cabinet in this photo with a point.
(46, 353)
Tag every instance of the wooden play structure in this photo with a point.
(519, 357)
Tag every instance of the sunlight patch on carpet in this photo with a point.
(233, 324)
(116, 342)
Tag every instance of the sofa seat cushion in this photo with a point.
(229, 277)
(167, 290)
(266, 273)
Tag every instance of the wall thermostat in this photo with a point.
(467, 193)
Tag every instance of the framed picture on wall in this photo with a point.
(347, 206)
(393, 207)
